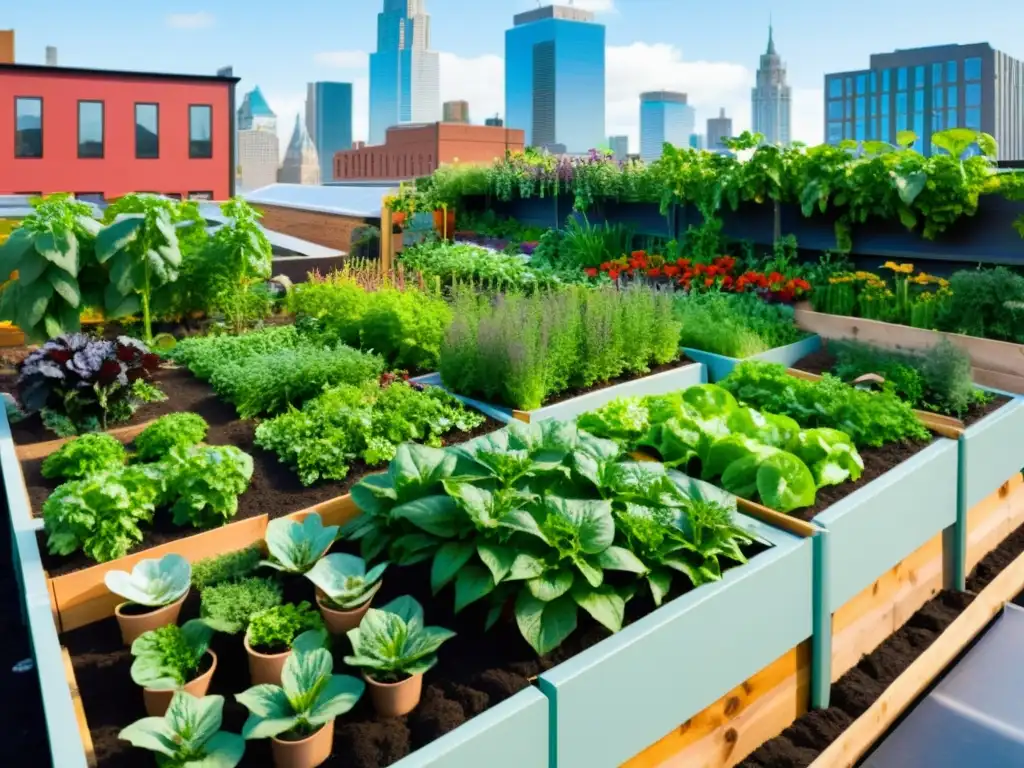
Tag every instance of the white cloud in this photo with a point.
(480, 81)
(342, 59)
(199, 20)
(597, 6)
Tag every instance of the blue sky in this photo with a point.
(708, 49)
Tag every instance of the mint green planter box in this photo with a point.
(657, 384)
(617, 698)
(720, 366)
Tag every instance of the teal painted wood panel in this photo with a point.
(993, 451)
(513, 734)
(875, 527)
(614, 700)
(720, 366)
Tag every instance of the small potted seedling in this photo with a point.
(270, 635)
(345, 589)
(295, 547)
(394, 649)
(188, 734)
(298, 716)
(171, 659)
(154, 592)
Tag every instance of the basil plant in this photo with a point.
(188, 735)
(153, 583)
(344, 580)
(295, 547)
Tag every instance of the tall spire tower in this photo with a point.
(771, 98)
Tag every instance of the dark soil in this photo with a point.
(474, 672)
(568, 394)
(275, 489)
(854, 692)
(824, 361)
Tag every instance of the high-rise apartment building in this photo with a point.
(771, 100)
(719, 129)
(665, 117)
(259, 157)
(697, 141)
(926, 90)
(456, 111)
(555, 79)
(404, 72)
(329, 121)
(619, 145)
(301, 163)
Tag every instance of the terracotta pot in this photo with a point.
(157, 702)
(395, 699)
(308, 753)
(444, 225)
(265, 667)
(398, 218)
(340, 622)
(134, 624)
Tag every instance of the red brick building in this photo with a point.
(410, 151)
(99, 132)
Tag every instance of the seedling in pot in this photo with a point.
(298, 716)
(296, 547)
(171, 659)
(268, 641)
(394, 650)
(154, 592)
(188, 735)
(345, 589)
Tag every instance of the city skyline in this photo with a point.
(651, 45)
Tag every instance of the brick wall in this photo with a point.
(321, 228)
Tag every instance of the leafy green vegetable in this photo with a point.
(207, 481)
(203, 355)
(169, 657)
(344, 580)
(392, 643)
(294, 546)
(232, 604)
(308, 698)
(173, 430)
(274, 629)
(83, 456)
(188, 735)
(152, 582)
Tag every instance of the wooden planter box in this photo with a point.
(997, 364)
(667, 381)
(720, 366)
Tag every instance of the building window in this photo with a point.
(849, 86)
(972, 95)
(200, 195)
(200, 131)
(885, 80)
(835, 88)
(147, 131)
(936, 120)
(901, 103)
(172, 195)
(936, 73)
(919, 127)
(874, 81)
(884, 135)
(972, 118)
(951, 118)
(919, 76)
(835, 110)
(901, 79)
(972, 69)
(874, 106)
(835, 133)
(862, 84)
(918, 100)
(90, 197)
(885, 106)
(859, 135)
(860, 107)
(90, 129)
(951, 96)
(28, 127)
(937, 98)
(951, 75)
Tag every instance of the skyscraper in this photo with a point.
(925, 90)
(404, 72)
(771, 99)
(329, 121)
(619, 145)
(255, 114)
(554, 78)
(664, 117)
(719, 129)
(456, 111)
(257, 146)
(301, 163)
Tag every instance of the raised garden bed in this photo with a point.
(720, 366)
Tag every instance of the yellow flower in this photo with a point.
(905, 269)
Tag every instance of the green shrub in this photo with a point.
(405, 327)
(337, 301)
(83, 456)
(231, 566)
(203, 355)
(986, 302)
(236, 602)
(734, 325)
(175, 429)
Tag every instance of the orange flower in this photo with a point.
(671, 270)
(708, 282)
(590, 272)
(654, 272)
(613, 274)
(639, 254)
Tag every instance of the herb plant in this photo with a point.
(170, 656)
(734, 325)
(309, 696)
(273, 630)
(152, 582)
(188, 735)
(229, 567)
(83, 456)
(344, 580)
(295, 546)
(392, 643)
(232, 604)
(173, 430)
(203, 355)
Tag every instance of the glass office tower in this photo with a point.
(329, 121)
(664, 117)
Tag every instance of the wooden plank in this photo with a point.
(794, 525)
(993, 519)
(856, 740)
(53, 602)
(83, 598)
(337, 511)
(33, 451)
(1007, 382)
(734, 726)
(76, 703)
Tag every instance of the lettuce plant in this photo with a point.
(309, 696)
(392, 643)
(206, 482)
(294, 546)
(344, 580)
(82, 456)
(174, 429)
(275, 629)
(188, 735)
(169, 657)
(152, 582)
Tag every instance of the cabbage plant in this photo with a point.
(345, 581)
(188, 735)
(392, 643)
(295, 547)
(154, 583)
(309, 696)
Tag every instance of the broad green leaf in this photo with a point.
(472, 583)
(417, 468)
(116, 236)
(591, 519)
(592, 573)
(498, 559)
(60, 248)
(31, 268)
(550, 585)
(521, 520)
(476, 502)
(604, 604)
(660, 581)
(406, 608)
(223, 750)
(374, 494)
(304, 671)
(337, 697)
(439, 515)
(151, 733)
(199, 718)
(545, 626)
(13, 251)
(620, 559)
(525, 566)
(65, 285)
(448, 560)
(784, 483)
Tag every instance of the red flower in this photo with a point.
(727, 281)
(671, 270)
(708, 282)
(606, 266)
(654, 272)
(613, 274)
(590, 272)
(683, 263)
(639, 254)
(108, 372)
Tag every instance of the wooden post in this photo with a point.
(387, 248)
